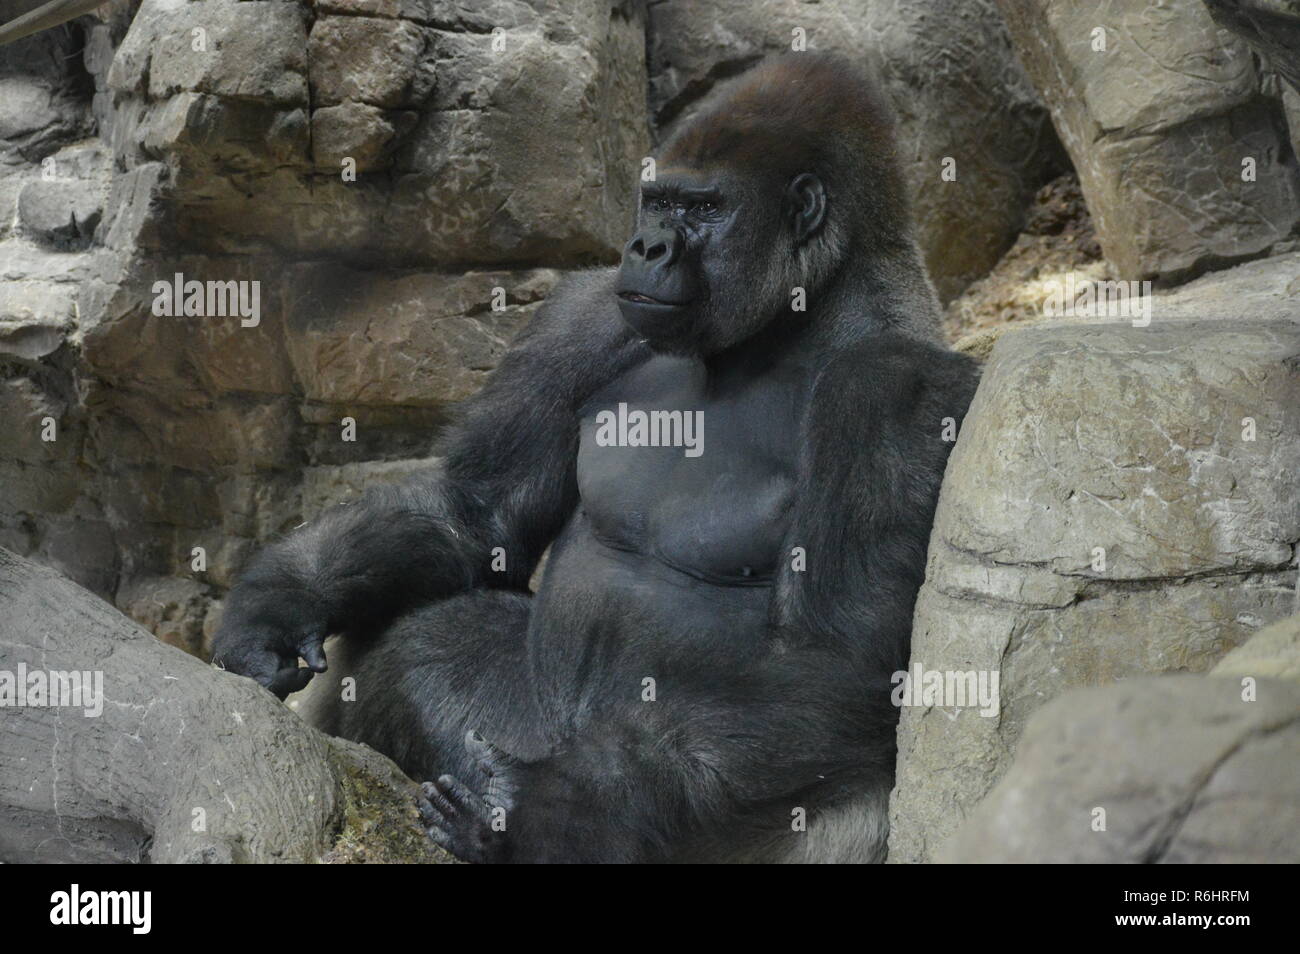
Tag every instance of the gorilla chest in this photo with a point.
(700, 482)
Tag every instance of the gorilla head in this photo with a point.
(783, 177)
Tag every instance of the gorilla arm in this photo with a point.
(506, 480)
(718, 751)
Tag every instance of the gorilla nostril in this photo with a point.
(637, 247)
(655, 251)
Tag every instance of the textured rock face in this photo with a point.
(42, 94)
(1121, 501)
(959, 93)
(1273, 652)
(1174, 770)
(171, 741)
(1184, 163)
(496, 146)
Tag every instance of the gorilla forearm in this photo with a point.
(342, 563)
(506, 481)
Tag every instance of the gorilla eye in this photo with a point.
(658, 205)
(704, 208)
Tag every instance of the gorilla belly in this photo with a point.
(668, 564)
(607, 617)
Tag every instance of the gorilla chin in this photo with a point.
(668, 327)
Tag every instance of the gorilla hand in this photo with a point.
(263, 634)
(470, 821)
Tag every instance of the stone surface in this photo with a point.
(1159, 124)
(42, 96)
(1272, 653)
(359, 339)
(1099, 436)
(1266, 289)
(166, 741)
(387, 63)
(1184, 769)
(1261, 290)
(1291, 106)
(254, 50)
(365, 134)
(170, 607)
(327, 486)
(946, 65)
(63, 214)
(1272, 27)
(527, 152)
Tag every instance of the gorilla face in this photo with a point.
(715, 256)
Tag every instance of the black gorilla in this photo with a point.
(733, 446)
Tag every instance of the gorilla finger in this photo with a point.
(437, 801)
(260, 665)
(457, 794)
(429, 813)
(290, 680)
(312, 649)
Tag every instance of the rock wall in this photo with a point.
(1121, 501)
(1184, 158)
(1164, 770)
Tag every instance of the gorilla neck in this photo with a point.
(874, 290)
(869, 293)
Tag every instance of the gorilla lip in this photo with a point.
(637, 298)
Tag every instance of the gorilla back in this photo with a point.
(733, 445)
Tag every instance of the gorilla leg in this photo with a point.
(430, 677)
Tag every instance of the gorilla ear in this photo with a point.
(807, 197)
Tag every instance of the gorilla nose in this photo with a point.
(658, 246)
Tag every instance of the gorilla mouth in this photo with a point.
(639, 299)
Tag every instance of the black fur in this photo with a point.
(823, 430)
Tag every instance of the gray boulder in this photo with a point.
(1183, 162)
(1172, 770)
(523, 144)
(1121, 501)
(1273, 652)
(63, 214)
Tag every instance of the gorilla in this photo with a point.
(732, 446)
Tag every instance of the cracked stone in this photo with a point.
(1185, 769)
(1173, 449)
(62, 213)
